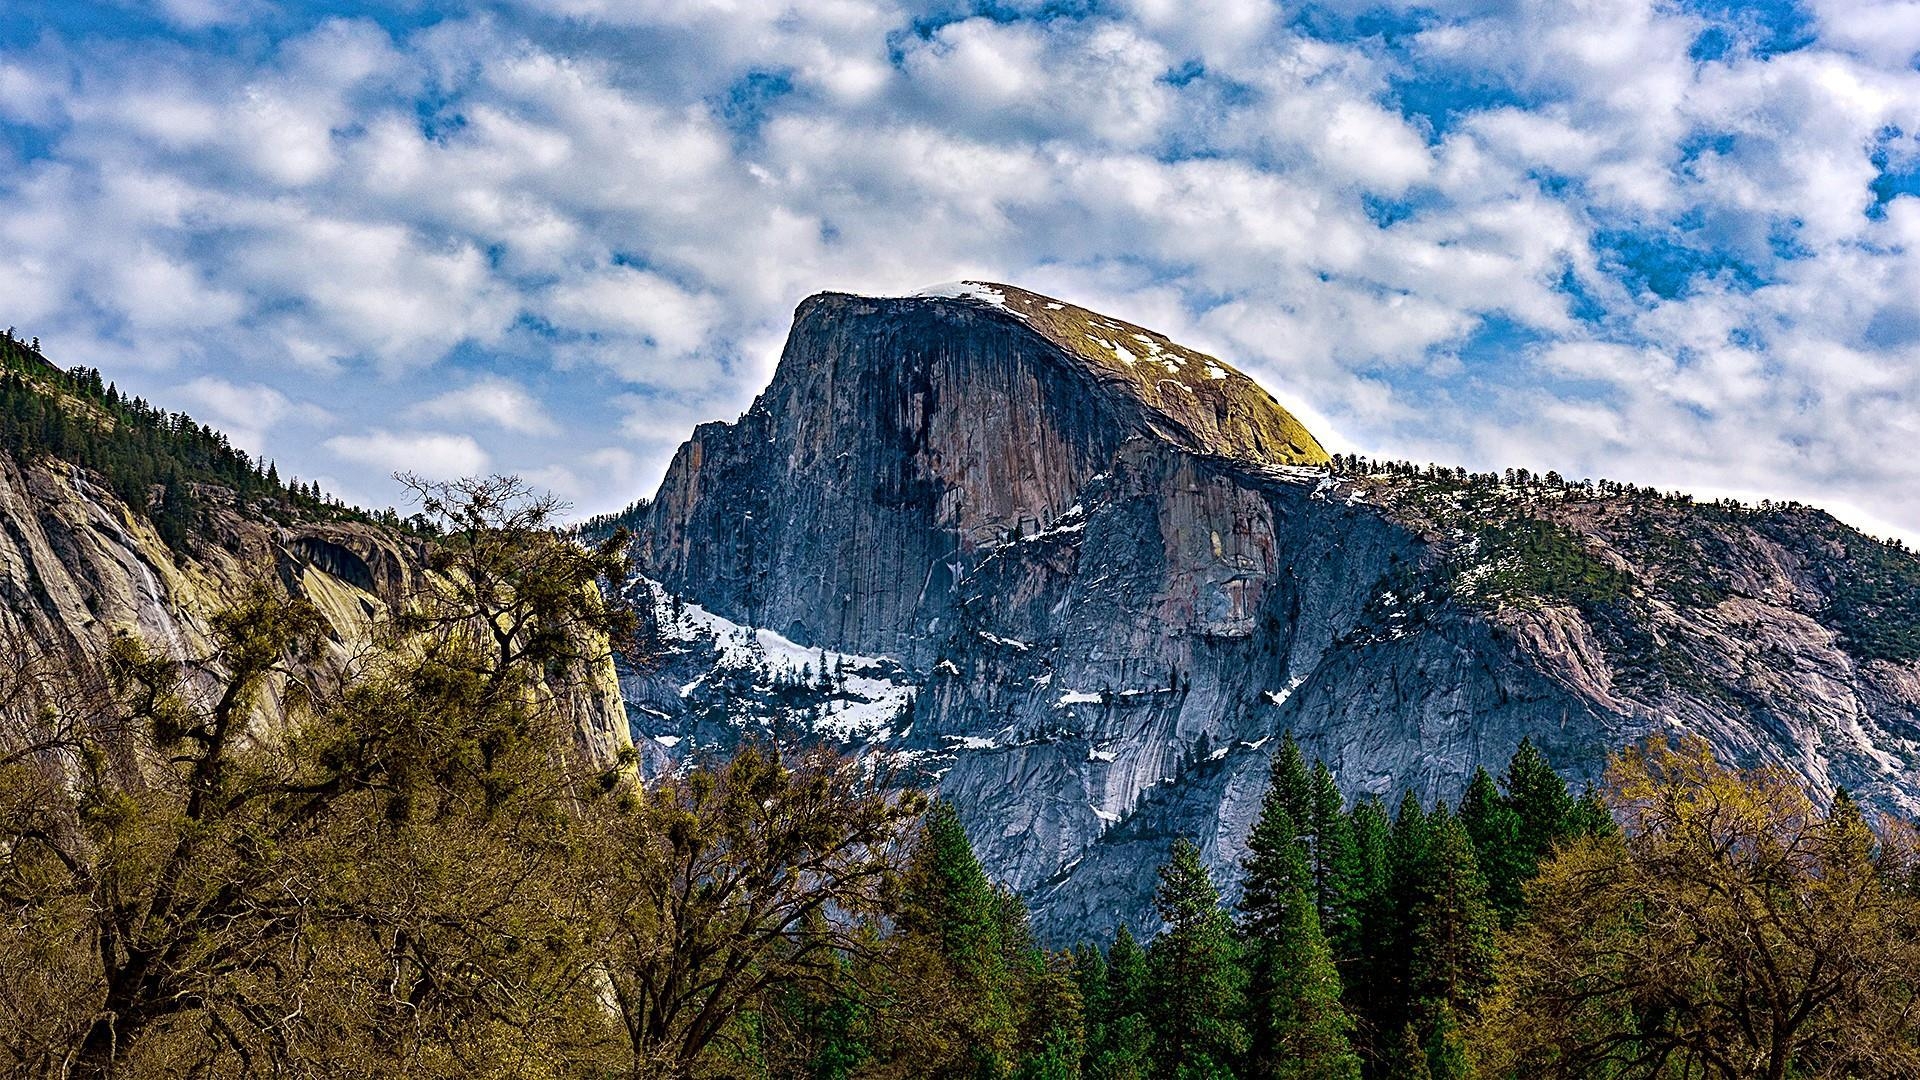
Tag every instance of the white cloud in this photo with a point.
(628, 198)
(490, 401)
(436, 456)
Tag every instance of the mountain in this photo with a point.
(1082, 577)
(116, 516)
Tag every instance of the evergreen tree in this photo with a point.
(1090, 977)
(1449, 924)
(948, 903)
(1591, 816)
(1193, 974)
(1288, 777)
(1125, 1050)
(1540, 799)
(1275, 864)
(1494, 828)
(1126, 974)
(1406, 1059)
(1336, 866)
(1297, 1026)
(1370, 969)
(1389, 967)
(1446, 1047)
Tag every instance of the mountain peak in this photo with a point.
(1196, 399)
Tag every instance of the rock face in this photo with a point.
(78, 566)
(1083, 578)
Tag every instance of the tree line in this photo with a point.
(152, 460)
(298, 857)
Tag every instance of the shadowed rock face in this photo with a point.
(1114, 571)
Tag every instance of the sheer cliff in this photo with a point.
(1081, 577)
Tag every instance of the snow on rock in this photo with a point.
(847, 696)
(964, 290)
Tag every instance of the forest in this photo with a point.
(416, 875)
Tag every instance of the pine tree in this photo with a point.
(1494, 828)
(1540, 799)
(1390, 965)
(1406, 1059)
(1193, 973)
(1125, 1051)
(1090, 977)
(1370, 969)
(1275, 863)
(1446, 1047)
(1297, 1027)
(948, 902)
(1336, 866)
(1288, 777)
(1591, 816)
(1449, 924)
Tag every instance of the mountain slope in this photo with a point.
(1084, 585)
(119, 517)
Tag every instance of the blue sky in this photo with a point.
(1672, 243)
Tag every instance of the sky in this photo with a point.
(1674, 243)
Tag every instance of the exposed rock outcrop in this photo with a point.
(1111, 571)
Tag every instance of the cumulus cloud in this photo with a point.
(434, 455)
(1660, 242)
(490, 401)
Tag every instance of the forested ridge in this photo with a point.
(151, 459)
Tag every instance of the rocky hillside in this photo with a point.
(79, 562)
(1081, 577)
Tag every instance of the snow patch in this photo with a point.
(964, 290)
(1280, 696)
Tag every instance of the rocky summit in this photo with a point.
(1083, 578)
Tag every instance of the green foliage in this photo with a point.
(1337, 871)
(1297, 1027)
(1529, 559)
(1494, 828)
(1540, 800)
(1448, 923)
(1875, 588)
(1193, 974)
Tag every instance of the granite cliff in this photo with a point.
(1081, 578)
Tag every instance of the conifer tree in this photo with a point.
(1449, 924)
(1446, 1047)
(1125, 1049)
(1126, 974)
(1540, 799)
(1591, 816)
(1289, 778)
(1389, 966)
(1336, 866)
(948, 903)
(1275, 864)
(1494, 829)
(1297, 1027)
(1193, 974)
(1369, 970)
(1406, 1059)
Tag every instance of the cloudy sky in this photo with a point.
(1676, 243)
